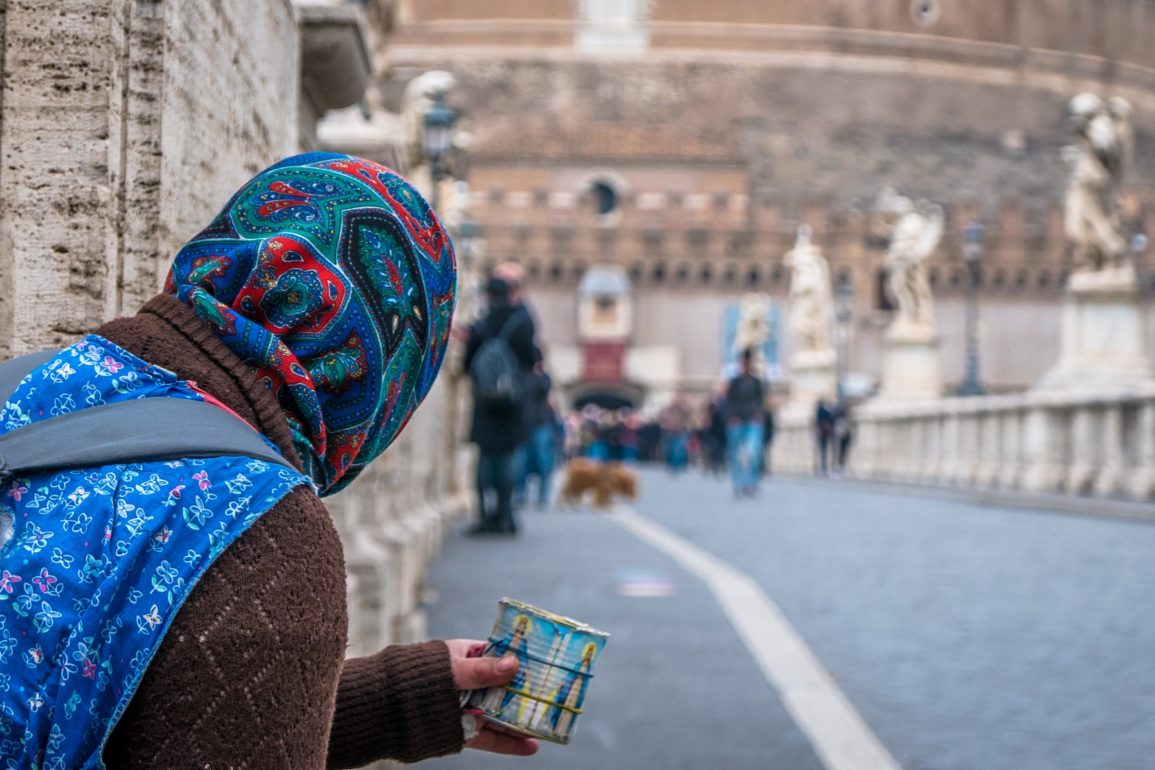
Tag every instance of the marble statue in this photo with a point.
(914, 236)
(753, 325)
(1103, 334)
(811, 298)
(1104, 145)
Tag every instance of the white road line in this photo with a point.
(840, 737)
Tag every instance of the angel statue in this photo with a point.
(811, 299)
(1104, 146)
(914, 236)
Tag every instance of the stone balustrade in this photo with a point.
(392, 521)
(1099, 443)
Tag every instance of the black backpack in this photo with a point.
(498, 382)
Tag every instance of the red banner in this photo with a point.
(604, 362)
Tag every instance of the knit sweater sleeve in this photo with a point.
(398, 704)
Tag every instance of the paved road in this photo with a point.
(967, 637)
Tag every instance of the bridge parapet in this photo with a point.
(1099, 443)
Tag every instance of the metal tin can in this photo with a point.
(557, 656)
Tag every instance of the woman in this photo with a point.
(192, 613)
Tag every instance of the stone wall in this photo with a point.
(125, 124)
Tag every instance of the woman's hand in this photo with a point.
(473, 672)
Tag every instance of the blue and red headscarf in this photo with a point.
(333, 277)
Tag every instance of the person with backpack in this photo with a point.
(176, 596)
(499, 354)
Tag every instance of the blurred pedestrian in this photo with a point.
(843, 434)
(499, 353)
(650, 440)
(713, 432)
(824, 434)
(541, 421)
(768, 428)
(675, 422)
(745, 410)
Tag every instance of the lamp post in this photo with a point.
(439, 121)
(973, 251)
(843, 312)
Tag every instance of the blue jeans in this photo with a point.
(495, 473)
(744, 447)
(678, 451)
(541, 453)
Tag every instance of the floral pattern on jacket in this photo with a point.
(99, 560)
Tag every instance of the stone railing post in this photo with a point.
(986, 447)
(1045, 431)
(1082, 441)
(1141, 476)
(949, 469)
(1011, 465)
(1109, 476)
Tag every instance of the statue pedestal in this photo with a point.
(812, 378)
(1104, 337)
(910, 364)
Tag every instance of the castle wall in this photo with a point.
(1115, 30)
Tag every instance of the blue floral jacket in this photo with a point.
(96, 562)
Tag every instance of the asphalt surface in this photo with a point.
(968, 636)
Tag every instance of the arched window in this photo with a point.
(605, 197)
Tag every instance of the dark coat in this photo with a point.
(500, 431)
(745, 399)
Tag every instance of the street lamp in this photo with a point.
(973, 251)
(439, 120)
(843, 312)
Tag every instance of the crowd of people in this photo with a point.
(522, 437)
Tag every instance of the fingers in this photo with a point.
(499, 743)
(478, 673)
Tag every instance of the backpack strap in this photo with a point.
(126, 431)
(513, 322)
(14, 370)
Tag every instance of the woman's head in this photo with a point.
(334, 279)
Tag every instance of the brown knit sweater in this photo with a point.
(251, 673)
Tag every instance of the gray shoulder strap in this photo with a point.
(141, 430)
(16, 369)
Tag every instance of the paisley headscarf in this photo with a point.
(333, 277)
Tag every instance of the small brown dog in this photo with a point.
(605, 480)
